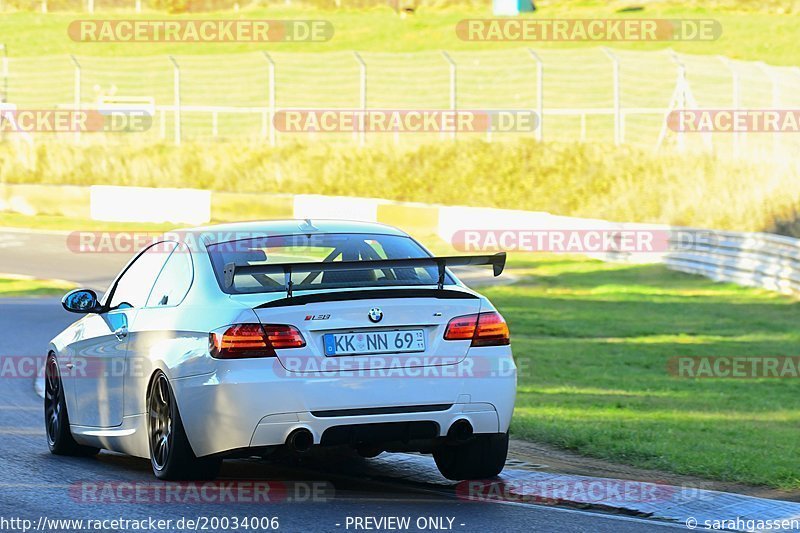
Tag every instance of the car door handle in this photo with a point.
(121, 333)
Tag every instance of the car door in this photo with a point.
(100, 356)
(156, 329)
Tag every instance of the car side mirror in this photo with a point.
(81, 301)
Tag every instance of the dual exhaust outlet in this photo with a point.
(300, 440)
(461, 431)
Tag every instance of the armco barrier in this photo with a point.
(760, 260)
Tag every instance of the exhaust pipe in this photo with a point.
(460, 431)
(300, 440)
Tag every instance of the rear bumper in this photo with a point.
(252, 403)
(274, 429)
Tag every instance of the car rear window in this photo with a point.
(325, 247)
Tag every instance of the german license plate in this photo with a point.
(409, 340)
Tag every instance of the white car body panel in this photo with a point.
(230, 405)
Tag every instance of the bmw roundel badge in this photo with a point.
(375, 314)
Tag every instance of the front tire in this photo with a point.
(59, 436)
(171, 455)
(481, 457)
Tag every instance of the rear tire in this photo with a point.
(481, 457)
(171, 455)
(56, 420)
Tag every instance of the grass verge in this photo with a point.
(593, 340)
(583, 180)
(753, 32)
(61, 223)
(12, 286)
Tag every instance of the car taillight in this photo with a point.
(280, 336)
(242, 341)
(484, 329)
(461, 328)
(492, 330)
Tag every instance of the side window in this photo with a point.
(175, 279)
(134, 286)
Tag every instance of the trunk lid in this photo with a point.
(348, 314)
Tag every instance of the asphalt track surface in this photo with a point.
(326, 493)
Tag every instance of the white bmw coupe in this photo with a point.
(240, 340)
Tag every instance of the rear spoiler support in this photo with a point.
(498, 262)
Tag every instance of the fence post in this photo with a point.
(76, 91)
(453, 95)
(680, 103)
(138, 6)
(176, 98)
(617, 98)
(271, 98)
(736, 103)
(362, 134)
(539, 94)
(90, 6)
(44, 6)
(5, 72)
(776, 104)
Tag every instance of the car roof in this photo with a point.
(291, 227)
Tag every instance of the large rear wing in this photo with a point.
(498, 262)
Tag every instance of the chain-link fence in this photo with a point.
(592, 95)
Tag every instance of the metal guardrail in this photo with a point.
(762, 260)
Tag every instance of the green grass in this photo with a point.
(60, 223)
(592, 342)
(760, 34)
(13, 286)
